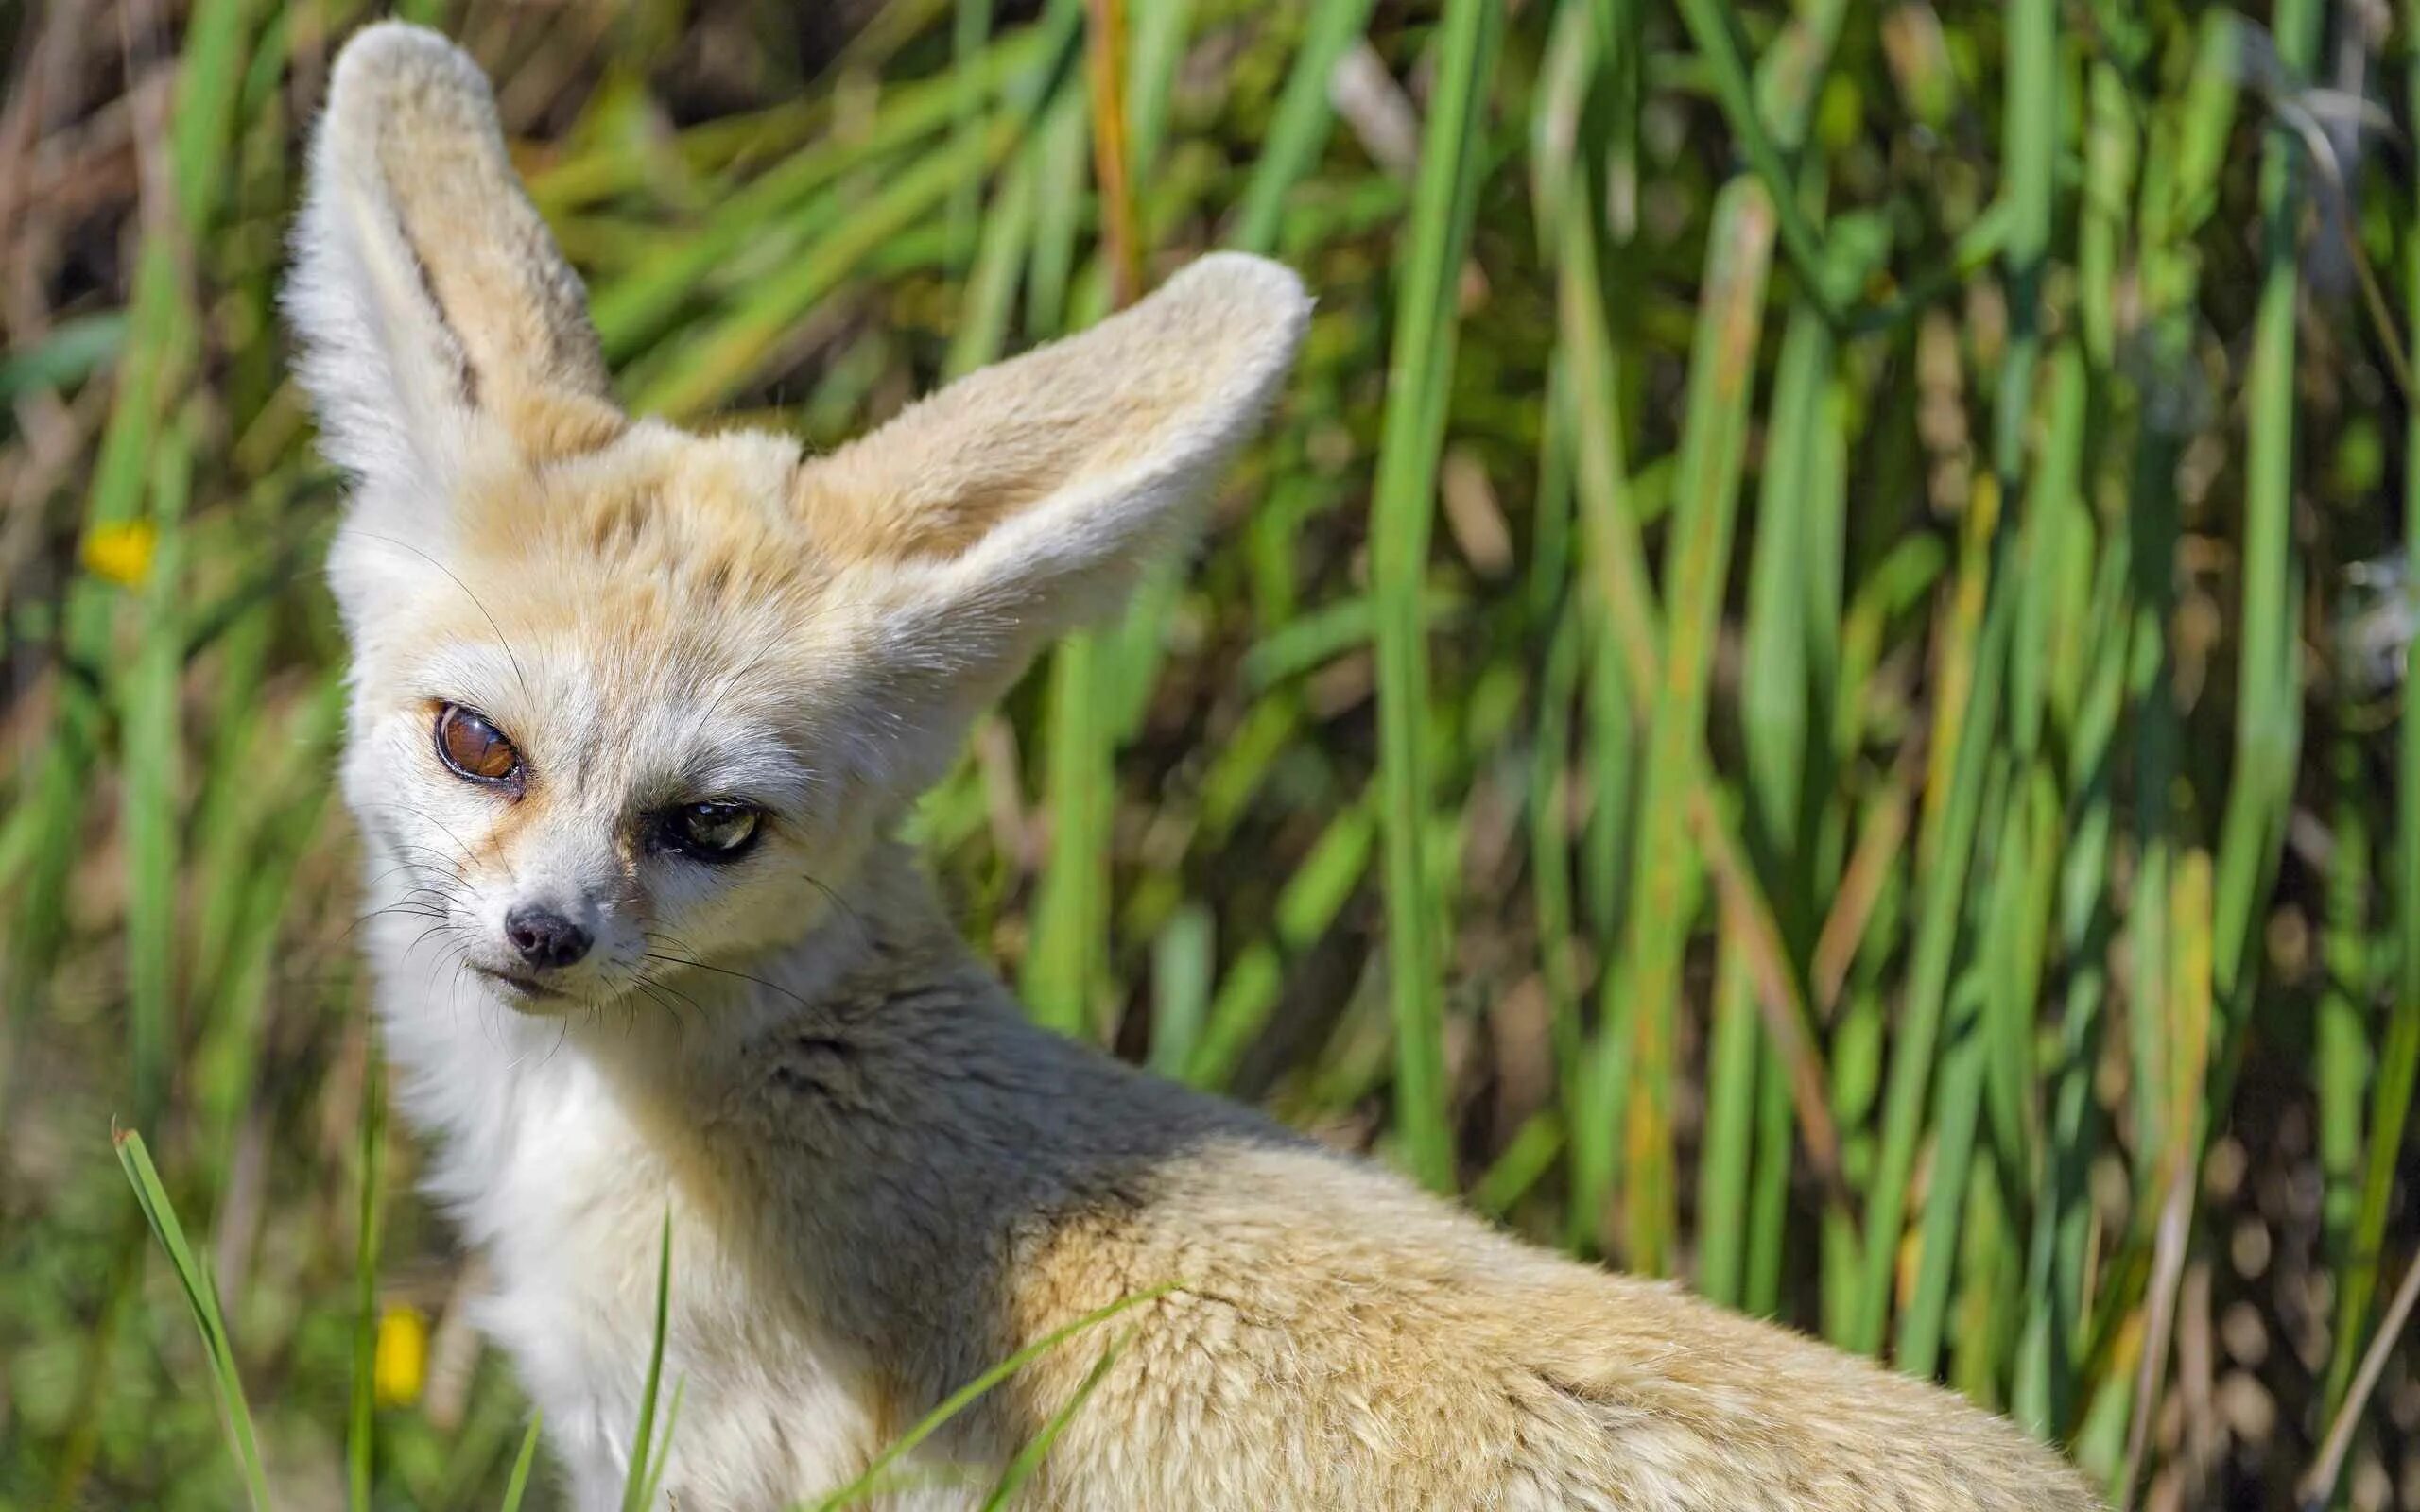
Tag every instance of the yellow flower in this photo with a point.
(122, 552)
(400, 1366)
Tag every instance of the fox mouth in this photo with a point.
(526, 985)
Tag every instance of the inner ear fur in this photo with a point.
(1077, 453)
(431, 298)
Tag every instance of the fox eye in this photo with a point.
(709, 832)
(474, 748)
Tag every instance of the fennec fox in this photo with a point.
(633, 713)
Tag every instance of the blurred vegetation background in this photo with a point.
(1805, 693)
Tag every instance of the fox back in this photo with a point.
(634, 713)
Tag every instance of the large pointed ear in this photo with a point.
(1023, 499)
(437, 322)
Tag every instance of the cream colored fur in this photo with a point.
(882, 1178)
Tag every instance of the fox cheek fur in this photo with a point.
(632, 713)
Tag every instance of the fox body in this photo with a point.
(632, 711)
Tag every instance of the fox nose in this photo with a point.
(544, 937)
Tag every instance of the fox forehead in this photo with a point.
(696, 523)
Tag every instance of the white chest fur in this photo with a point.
(537, 1158)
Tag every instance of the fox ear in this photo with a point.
(437, 322)
(1023, 499)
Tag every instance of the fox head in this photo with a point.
(624, 692)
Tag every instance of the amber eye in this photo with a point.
(709, 832)
(474, 747)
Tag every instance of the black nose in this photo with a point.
(544, 937)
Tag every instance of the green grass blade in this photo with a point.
(2399, 1052)
(1028, 1458)
(970, 29)
(1066, 964)
(152, 742)
(1061, 138)
(2110, 147)
(1626, 635)
(990, 301)
(1524, 1161)
(360, 1446)
(1711, 30)
(518, 1485)
(1934, 956)
(2268, 735)
(1298, 130)
(2192, 1022)
(1246, 996)
(1730, 1125)
(208, 73)
(2045, 1390)
(1155, 48)
(1420, 376)
(2338, 1026)
(70, 355)
(1306, 907)
(1779, 697)
(1769, 1193)
(959, 1401)
(1956, 1105)
(1550, 811)
(201, 1298)
(1183, 964)
(661, 1454)
(1666, 883)
(645, 1454)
